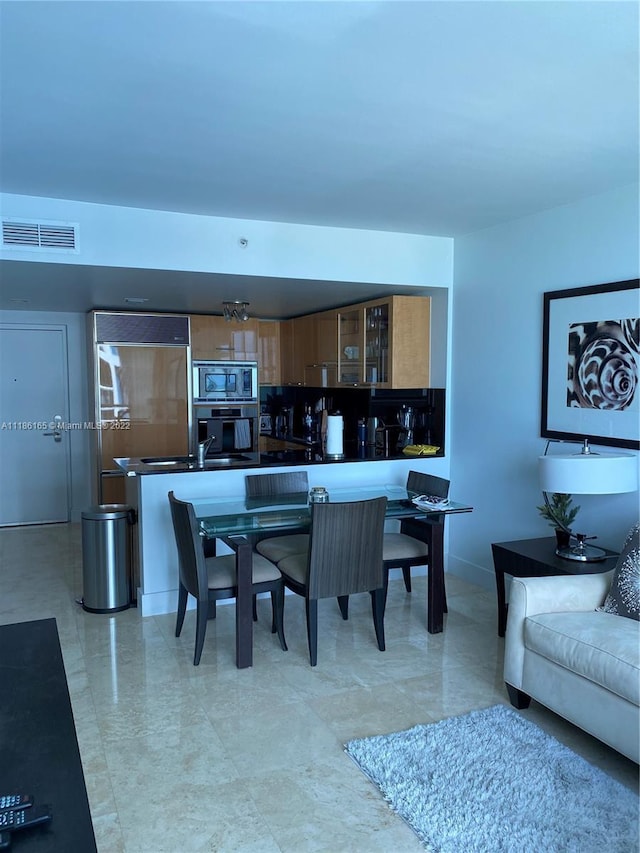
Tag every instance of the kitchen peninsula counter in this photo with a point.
(147, 488)
(273, 452)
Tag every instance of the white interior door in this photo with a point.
(34, 455)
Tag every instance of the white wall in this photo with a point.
(109, 235)
(78, 394)
(500, 275)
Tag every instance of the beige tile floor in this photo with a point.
(212, 758)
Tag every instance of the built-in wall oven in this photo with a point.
(225, 406)
(227, 429)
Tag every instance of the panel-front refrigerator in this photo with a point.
(141, 396)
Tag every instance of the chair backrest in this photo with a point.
(193, 569)
(345, 551)
(267, 485)
(427, 484)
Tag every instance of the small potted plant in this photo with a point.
(560, 514)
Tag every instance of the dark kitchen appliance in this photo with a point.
(266, 424)
(406, 419)
(228, 429)
(224, 382)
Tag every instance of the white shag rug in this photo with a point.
(492, 781)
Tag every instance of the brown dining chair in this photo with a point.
(211, 579)
(288, 486)
(344, 557)
(403, 550)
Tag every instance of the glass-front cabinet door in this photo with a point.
(385, 343)
(350, 344)
(376, 327)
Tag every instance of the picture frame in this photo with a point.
(591, 364)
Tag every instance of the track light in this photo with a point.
(236, 310)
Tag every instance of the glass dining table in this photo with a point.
(234, 519)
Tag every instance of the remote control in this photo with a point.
(10, 802)
(12, 821)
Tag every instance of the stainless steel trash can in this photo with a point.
(106, 557)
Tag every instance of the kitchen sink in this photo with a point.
(211, 462)
(229, 459)
(169, 460)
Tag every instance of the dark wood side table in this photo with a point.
(536, 558)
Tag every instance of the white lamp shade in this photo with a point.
(589, 474)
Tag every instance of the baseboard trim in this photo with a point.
(471, 572)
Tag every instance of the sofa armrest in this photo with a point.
(557, 594)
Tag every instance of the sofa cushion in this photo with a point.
(623, 598)
(598, 646)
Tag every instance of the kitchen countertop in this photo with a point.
(273, 452)
(132, 465)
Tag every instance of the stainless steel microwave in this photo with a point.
(224, 381)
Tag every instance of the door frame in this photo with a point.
(51, 327)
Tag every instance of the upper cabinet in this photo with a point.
(269, 352)
(308, 349)
(297, 348)
(213, 337)
(326, 340)
(385, 343)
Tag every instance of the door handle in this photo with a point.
(56, 433)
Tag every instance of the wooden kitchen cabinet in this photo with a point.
(287, 368)
(269, 352)
(385, 343)
(350, 342)
(306, 343)
(213, 337)
(326, 343)
(297, 348)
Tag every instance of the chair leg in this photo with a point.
(377, 606)
(444, 603)
(385, 586)
(312, 629)
(274, 626)
(343, 604)
(255, 608)
(201, 627)
(212, 608)
(277, 609)
(406, 574)
(182, 607)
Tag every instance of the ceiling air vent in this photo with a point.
(39, 236)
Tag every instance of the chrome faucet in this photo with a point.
(203, 447)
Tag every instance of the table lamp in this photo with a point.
(586, 473)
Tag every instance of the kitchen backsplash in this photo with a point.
(423, 410)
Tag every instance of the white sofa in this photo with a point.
(581, 663)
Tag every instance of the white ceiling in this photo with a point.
(436, 118)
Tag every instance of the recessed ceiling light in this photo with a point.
(135, 300)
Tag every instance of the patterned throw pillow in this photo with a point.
(623, 598)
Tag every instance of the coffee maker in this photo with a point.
(406, 419)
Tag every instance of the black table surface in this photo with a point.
(541, 551)
(39, 752)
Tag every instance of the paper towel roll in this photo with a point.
(335, 427)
